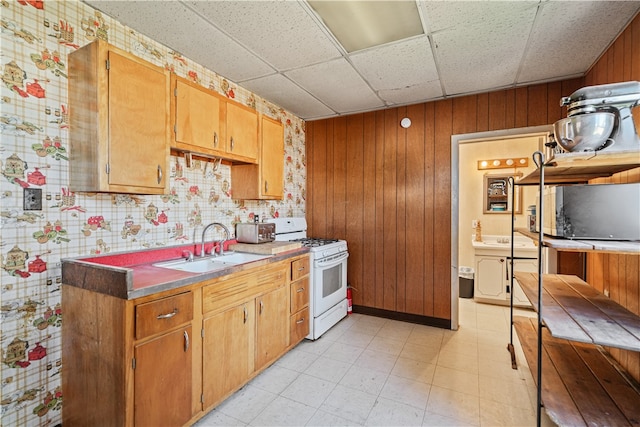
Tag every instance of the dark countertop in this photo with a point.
(130, 275)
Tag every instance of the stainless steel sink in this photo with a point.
(209, 264)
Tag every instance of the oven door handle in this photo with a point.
(331, 261)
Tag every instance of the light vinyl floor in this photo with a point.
(378, 372)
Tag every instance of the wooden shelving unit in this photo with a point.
(578, 382)
(571, 245)
(584, 385)
(578, 312)
(573, 168)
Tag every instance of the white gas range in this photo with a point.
(328, 276)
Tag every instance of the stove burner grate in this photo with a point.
(311, 242)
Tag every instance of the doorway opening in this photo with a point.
(468, 200)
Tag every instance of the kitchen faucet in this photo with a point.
(226, 237)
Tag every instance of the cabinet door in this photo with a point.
(272, 317)
(227, 351)
(242, 132)
(527, 266)
(138, 122)
(196, 116)
(272, 158)
(162, 380)
(489, 281)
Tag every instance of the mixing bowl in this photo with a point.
(584, 132)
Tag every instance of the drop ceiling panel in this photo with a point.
(479, 45)
(280, 49)
(283, 92)
(173, 24)
(413, 94)
(282, 32)
(398, 68)
(337, 85)
(566, 41)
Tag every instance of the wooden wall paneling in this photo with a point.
(521, 107)
(415, 211)
(323, 185)
(537, 105)
(482, 109)
(464, 117)
(337, 226)
(309, 129)
(497, 110)
(628, 53)
(510, 109)
(355, 202)
(442, 210)
(380, 202)
(401, 211)
(364, 293)
(617, 74)
(632, 272)
(429, 206)
(634, 47)
(554, 111)
(610, 64)
(390, 208)
(317, 146)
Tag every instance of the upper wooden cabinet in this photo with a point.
(119, 122)
(266, 179)
(197, 116)
(242, 132)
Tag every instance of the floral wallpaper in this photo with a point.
(37, 36)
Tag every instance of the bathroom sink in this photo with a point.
(507, 245)
(209, 264)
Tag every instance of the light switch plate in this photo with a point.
(32, 199)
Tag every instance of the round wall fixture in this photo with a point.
(405, 123)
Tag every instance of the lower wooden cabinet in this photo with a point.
(272, 326)
(166, 359)
(227, 349)
(162, 380)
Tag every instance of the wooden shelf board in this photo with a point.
(571, 245)
(581, 385)
(568, 168)
(574, 310)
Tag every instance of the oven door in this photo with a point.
(329, 282)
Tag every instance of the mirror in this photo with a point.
(497, 198)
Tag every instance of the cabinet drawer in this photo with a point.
(157, 316)
(226, 293)
(299, 294)
(299, 268)
(299, 326)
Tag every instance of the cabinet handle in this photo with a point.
(186, 341)
(168, 315)
(300, 289)
(301, 269)
(299, 321)
(232, 143)
(246, 315)
(507, 272)
(215, 139)
(266, 186)
(261, 306)
(159, 174)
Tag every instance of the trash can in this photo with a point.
(465, 279)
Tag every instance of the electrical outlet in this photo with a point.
(32, 199)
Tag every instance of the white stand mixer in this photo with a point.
(599, 117)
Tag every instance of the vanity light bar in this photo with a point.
(515, 162)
